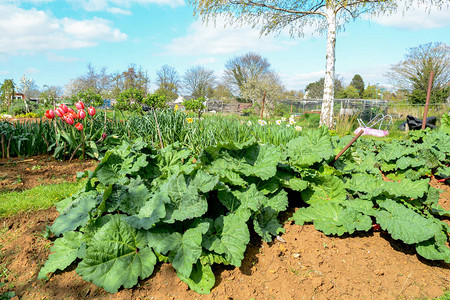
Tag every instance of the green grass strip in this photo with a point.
(40, 197)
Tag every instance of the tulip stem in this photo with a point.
(73, 154)
(82, 140)
(56, 133)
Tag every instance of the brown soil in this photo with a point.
(303, 264)
(25, 173)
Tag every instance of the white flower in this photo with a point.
(262, 122)
(292, 122)
(298, 128)
(249, 123)
(242, 122)
(278, 122)
(288, 125)
(283, 119)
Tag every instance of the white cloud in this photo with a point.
(415, 18)
(35, 30)
(119, 11)
(54, 57)
(104, 5)
(299, 81)
(215, 40)
(32, 71)
(205, 61)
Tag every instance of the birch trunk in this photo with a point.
(326, 117)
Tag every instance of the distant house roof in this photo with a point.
(19, 96)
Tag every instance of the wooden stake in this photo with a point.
(425, 113)
(262, 106)
(16, 162)
(347, 146)
(159, 132)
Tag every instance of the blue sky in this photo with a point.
(53, 41)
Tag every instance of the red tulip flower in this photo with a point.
(49, 114)
(79, 126)
(69, 120)
(64, 108)
(91, 110)
(81, 114)
(59, 112)
(79, 105)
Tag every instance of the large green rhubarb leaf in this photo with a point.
(405, 224)
(227, 171)
(251, 198)
(394, 150)
(368, 185)
(184, 249)
(117, 256)
(230, 236)
(279, 201)
(128, 199)
(324, 189)
(204, 181)
(407, 188)
(435, 248)
(266, 224)
(261, 161)
(315, 146)
(201, 280)
(185, 201)
(77, 214)
(333, 218)
(64, 252)
(409, 162)
(151, 212)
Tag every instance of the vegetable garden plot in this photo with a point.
(141, 206)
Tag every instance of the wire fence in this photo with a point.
(366, 109)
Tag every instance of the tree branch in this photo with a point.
(314, 11)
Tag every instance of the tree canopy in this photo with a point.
(413, 72)
(358, 83)
(199, 81)
(168, 82)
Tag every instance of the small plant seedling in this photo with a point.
(19, 179)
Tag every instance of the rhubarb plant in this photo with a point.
(143, 206)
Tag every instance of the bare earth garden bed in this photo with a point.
(302, 264)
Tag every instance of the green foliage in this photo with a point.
(155, 100)
(90, 98)
(445, 123)
(195, 105)
(419, 96)
(143, 205)
(358, 83)
(130, 100)
(350, 92)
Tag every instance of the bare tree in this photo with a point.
(99, 82)
(293, 15)
(25, 85)
(268, 84)
(413, 72)
(199, 81)
(241, 69)
(168, 82)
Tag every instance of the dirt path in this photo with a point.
(303, 264)
(25, 173)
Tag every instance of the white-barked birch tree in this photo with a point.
(326, 16)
